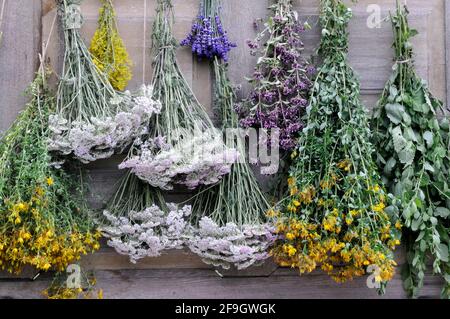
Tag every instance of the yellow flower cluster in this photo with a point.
(322, 228)
(108, 50)
(61, 291)
(30, 236)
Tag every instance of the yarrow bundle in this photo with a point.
(336, 216)
(281, 83)
(415, 159)
(192, 152)
(43, 221)
(207, 38)
(229, 224)
(140, 224)
(107, 48)
(92, 120)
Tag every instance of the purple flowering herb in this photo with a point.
(282, 78)
(207, 37)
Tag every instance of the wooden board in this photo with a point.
(206, 284)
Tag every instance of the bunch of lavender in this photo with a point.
(92, 120)
(281, 83)
(140, 224)
(207, 38)
(193, 153)
(229, 224)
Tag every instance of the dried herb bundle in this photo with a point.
(229, 220)
(92, 120)
(281, 83)
(108, 50)
(44, 221)
(335, 216)
(183, 147)
(414, 157)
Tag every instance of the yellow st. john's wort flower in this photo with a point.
(50, 181)
(379, 208)
(108, 49)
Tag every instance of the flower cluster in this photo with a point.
(147, 233)
(207, 38)
(59, 289)
(228, 245)
(107, 48)
(343, 243)
(191, 161)
(100, 137)
(280, 82)
(337, 216)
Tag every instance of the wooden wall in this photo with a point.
(180, 274)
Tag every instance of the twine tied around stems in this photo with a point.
(72, 17)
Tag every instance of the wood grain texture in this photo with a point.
(18, 56)
(447, 50)
(206, 284)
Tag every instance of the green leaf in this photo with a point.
(429, 167)
(390, 166)
(395, 112)
(429, 138)
(398, 139)
(442, 212)
(408, 154)
(442, 252)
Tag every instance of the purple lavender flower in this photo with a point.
(208, 39)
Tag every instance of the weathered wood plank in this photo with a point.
(206, 284)
(447, 50)
(18, 56)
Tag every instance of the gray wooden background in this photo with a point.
(26, 27)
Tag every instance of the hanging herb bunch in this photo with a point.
(415, 159)
(92, 120)
(281, 83)
(336, 216)
(43, 222)
(229, 224)
(207, 38)
(184, 147)
(140, 224)
(107, 48)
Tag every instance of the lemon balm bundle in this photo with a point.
(414, 157)
(43, 220)
(92, 120)
(337, 216)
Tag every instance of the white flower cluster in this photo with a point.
(194, 160)
(231, 245)
(147, 233)
(102, 136)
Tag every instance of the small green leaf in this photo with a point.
(442, 212)
(442, 252)
(428, 137)
(395, 112)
